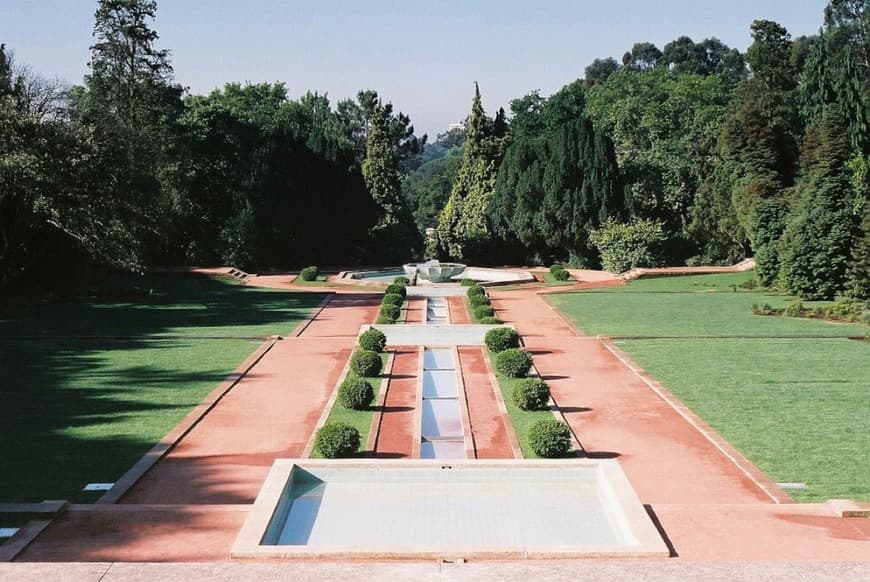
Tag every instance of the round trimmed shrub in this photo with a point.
(478, 300)
(393, 299)
(397, 289)
(467, 282)
(373, 340)
(556, 267)
(308, 274)
(401, 281)
(501, 339)
(384, 320)
(355, 393)
(490, 320)
(550, 438)
(513, 362)
(531, 394)
(561, 275)
(482, 311)
(475, 290)
(337, 439)
(366, 363)
(391, 311)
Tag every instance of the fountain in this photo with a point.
(433, 271)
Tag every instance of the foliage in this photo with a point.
(391, 311)
(385, 320)
(467, 282)
(858, 270)
(500, 339)
(396, 289)
(550, 438)
(489, 320)
(513, 362)
(355, 393)
(475, 289)
(373, 340)
(309, 274)
(482, 311)
(393, 299)
(337, 439)
(561, 274)
(478, 300)
(366, 363)
(626, 246)
(531, 394)
(401, 281)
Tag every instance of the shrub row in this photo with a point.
(531, 394)
(550, 438)
(309, 274)
(502, 338)
(337, 439)
(513, 362)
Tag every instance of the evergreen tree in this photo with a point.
(858, 272)
(815, 247)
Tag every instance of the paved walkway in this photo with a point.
(488, 426)
(709, 508)
(396, 436)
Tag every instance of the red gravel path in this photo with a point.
(487, 424)
(396, 436)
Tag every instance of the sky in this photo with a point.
(424, 57)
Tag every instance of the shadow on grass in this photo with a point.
(84, 410)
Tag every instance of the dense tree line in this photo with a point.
(127, 169)
(705, 154)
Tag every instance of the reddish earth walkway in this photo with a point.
(415, 310)
(708, 507)
(343, 315)
(396, 436)
(458, 309)
(488, 426)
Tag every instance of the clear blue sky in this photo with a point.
(422, 56)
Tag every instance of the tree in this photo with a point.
(463, 226)
(769, 55)
(393, 234)
(815, 247)
(643, 55)
(600, 70)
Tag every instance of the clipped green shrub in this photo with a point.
(513, 362)
(475, 290)
(373, 340)
(550, 438)
(384, 320)
(467, 282)
(478, 300)
(482, 311)
(490, 320)
(366, 363)
(355, 393)
(401, 280)
(561, 275)
(556, 267)
(845, 309)
(391, 311)
(501, 339)
(626, 246)
(397, 289)
(531, 394)
(794, 309)
(337, 439)
(763, 309)
(309, 274)
(393, 299)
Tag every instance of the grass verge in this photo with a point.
(359, 419)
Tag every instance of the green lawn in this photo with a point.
(359, 419)
(552, 281)
(79, 410)
(796, 407)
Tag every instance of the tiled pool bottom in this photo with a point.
(422, 509)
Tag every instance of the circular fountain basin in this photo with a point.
(433, 271)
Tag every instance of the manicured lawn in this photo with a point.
(359, 419)
(78, 410)
(795, 407)
(629, 311)
(798, 408)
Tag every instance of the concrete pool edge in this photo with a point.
(631, 514)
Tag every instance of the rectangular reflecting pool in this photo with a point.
(424, 509)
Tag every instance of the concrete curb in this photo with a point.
(168, 442)
(761, 480)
